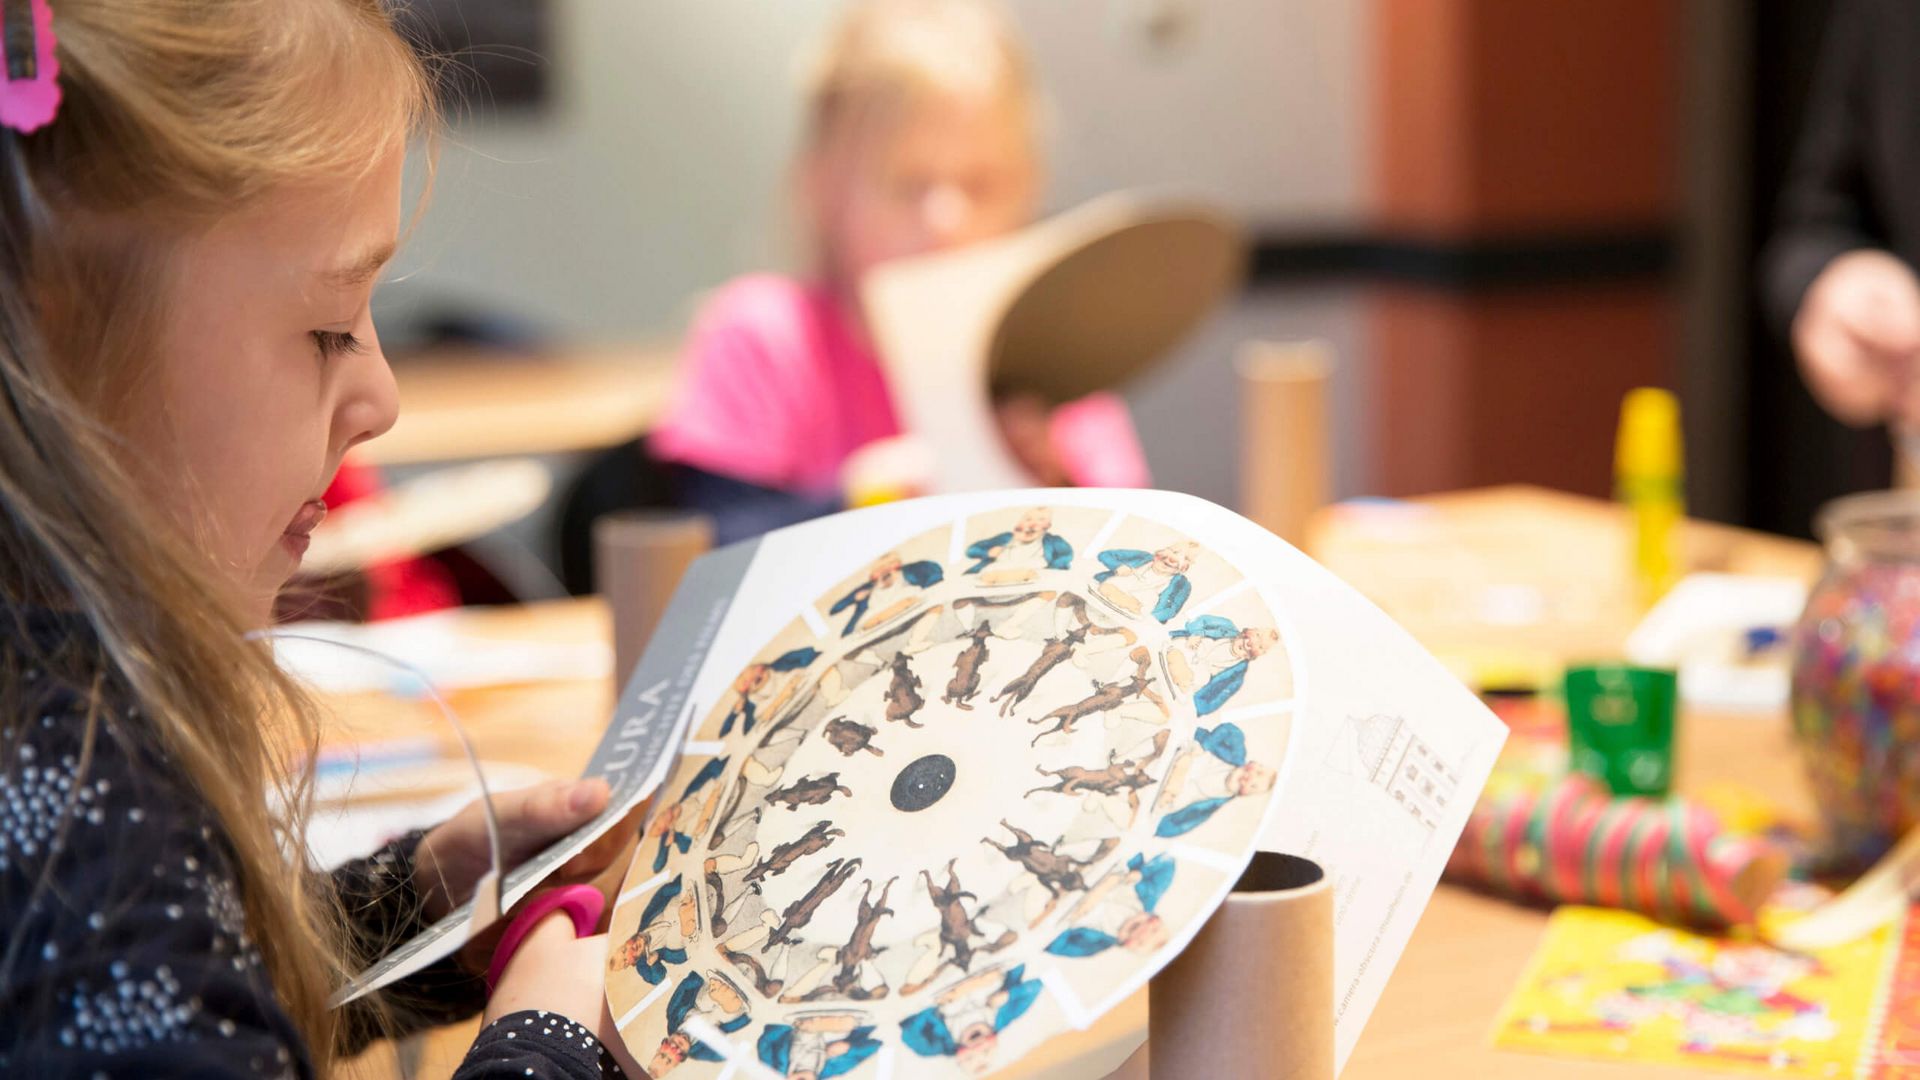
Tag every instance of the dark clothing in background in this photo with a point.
(1837, 130)
(1855, 177)
(742, 511)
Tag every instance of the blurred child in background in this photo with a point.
(921, 135)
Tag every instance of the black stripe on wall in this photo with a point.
(1637, 255)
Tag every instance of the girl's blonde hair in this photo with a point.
(175, 114)
(884, 57)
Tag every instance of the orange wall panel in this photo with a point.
(1496, 116)
(1511, 387)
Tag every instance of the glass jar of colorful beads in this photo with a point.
(1856, 674)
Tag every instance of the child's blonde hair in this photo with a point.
(885, 57)
(176, 113)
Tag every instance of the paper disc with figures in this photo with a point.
(974, 796)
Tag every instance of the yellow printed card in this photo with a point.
(1614, 985)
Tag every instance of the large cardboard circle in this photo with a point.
(1109, 309)
(980, 792)
(1080, 302)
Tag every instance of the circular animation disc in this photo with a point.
(975, 796)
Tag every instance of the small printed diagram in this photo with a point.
(1385, 752)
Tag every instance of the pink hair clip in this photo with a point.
(30, 92)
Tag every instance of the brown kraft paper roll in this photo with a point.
(638, 559)
(1285, 474)
(1252, 994)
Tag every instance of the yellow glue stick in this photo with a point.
(1648, 481)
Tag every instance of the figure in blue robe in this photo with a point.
(708, 773)
(920, 575)
(1156, 877)
(1225, 742)
(776, 1050)
(926, 1031)
(680, 1006)
(1226, 682)
(1059, 553)
(746, 710)
(1173, 596)
(653, 971)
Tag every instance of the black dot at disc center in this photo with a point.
(922, 783)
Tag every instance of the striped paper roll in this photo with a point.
(1573, 842)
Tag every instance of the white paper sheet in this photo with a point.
(1388, 750)
(1385, 754)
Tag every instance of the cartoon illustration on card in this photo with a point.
(965, 1021)
(1208, 775)
(891, 587)
(818, 1045)
(1016, 557)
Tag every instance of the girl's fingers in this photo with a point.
(607, 849)
(548, 810)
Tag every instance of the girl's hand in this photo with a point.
(1027, 426)
(559, 973)
(452, 858)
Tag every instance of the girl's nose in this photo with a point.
(371, 402)
(947, 212)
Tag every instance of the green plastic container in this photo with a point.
(1620, 726)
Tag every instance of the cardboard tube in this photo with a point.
(1284, 470)
(638, 559)
(1252, 994)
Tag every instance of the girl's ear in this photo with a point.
(819, 190)
(815, 175)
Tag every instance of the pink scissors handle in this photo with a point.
(583, 903)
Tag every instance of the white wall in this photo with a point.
(1255, 103)
(658, 170)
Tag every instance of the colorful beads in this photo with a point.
(1856, 703)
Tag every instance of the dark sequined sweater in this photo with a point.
(124, 947)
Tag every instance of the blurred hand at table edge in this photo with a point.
(553, 971)
(1026, 425)
(903, 467)
(454, 855)
(1857, 338)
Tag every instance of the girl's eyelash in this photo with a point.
(334, 343)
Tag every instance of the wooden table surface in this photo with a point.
(461, 404)
(1432, 564)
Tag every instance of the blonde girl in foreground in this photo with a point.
(187, 250)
